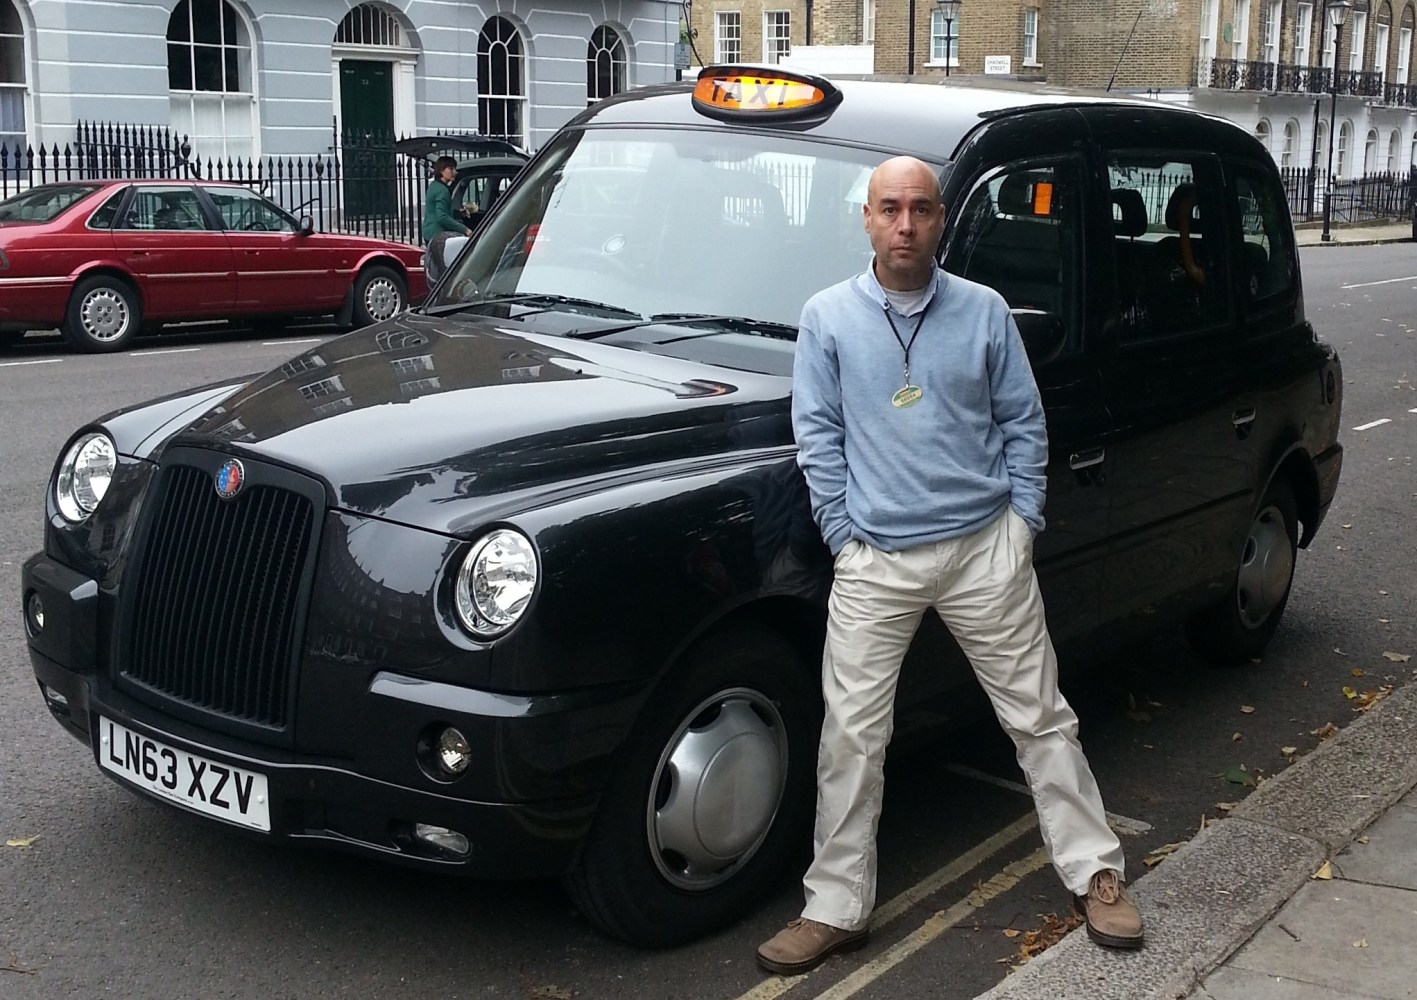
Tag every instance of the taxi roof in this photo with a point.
(887, 115)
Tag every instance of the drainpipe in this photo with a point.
(910, 46)
(809, 23)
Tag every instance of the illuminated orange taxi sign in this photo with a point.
(749, 92)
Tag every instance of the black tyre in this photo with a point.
(379, 294)
(1239, 627)
(104, 315)
(712, 797)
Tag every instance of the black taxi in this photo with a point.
(524, 582)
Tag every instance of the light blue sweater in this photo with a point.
(900, 477)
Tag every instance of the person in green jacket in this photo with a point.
(438, 220)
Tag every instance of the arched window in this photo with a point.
(1262, 132)
(1345, 143)
(209, 75)
(1291, 143)
(1370, 152)
(501, 81)
(370, 25)
(12, 76)
(1394, 151)
(605, 64)
(1321, 147)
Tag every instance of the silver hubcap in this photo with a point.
(104, 314)
(1265, 568)
(382, 299)
(717, 788)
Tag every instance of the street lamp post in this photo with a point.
(1337, 14)
(949, 10)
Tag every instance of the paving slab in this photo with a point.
(1390, 855)
(1343, 935)
(1241, 984)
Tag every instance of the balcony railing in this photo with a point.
(1403, 95)
(1284, 78)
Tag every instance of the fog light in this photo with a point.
(441, 836)
(453, 752)
(55, 698)
(34, 614)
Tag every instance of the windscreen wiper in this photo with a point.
(710, 321)
(546, 301)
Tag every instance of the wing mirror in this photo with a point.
(307, 225)
(1043, 333)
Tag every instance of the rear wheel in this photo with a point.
(1240, 626)
(103, 315)
(711, 797)
(379, 294)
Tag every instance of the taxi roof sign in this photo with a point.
(759, 92)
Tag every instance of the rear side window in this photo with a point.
(1169, 244)
(108, 211)
(1020, 233)
(1268, 265)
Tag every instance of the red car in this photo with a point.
(102, 259)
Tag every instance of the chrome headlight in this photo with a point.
(84, 475)
(496, 582)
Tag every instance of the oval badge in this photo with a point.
(229, 479)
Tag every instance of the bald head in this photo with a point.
(904, 219)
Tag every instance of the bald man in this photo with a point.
(920, 433)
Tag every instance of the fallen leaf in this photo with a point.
(1039, 940)
(1398, 657)
(1238, 775)
(1368, 699)
(1349, 693)
(1355, 672)
(1248, 709)
(1325, 731)
(1011, 933)
(1383, 592)
(1237, 737)
(1346, 526)
(21, 841)
(1162, 853)
(1361, 943)
(1385, 621)
(1325, 872)
(1363, 839)
(1225, 807)
(1289, 751)
(1339, 651)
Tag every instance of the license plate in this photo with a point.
(229, 793)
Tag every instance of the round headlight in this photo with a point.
(496, 582)
(84, 475)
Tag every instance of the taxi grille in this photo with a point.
(218, 597)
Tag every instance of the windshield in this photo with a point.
(672, 224)
(43, 204)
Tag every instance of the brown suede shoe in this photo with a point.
(803, 944)
(1113, 920)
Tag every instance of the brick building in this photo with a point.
(1267, 64)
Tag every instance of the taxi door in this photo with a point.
(182, 262)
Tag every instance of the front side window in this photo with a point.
(727, 36)
(1030, 36)
(605, 64)
(1268, 262)
(1020, 233)
(12, 76)
(777, 36)
(501, 81)
(944, 40)
(244, 211)
(209, 76)
(1168, 239)
(164, 209)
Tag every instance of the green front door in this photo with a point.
(366, 137)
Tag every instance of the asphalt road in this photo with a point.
(120, 897)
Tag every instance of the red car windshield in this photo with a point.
(44, 203)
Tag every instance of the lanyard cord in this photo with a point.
(906, 346)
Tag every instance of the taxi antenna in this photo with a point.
(1126, 46)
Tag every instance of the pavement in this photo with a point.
(1307, 890)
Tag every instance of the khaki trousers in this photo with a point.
(984, 589)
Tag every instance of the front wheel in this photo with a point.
(1239, 627)
(103, 315)
(711, 797)
(379, 294)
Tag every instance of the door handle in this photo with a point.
(1243, 421)
(1088, 466)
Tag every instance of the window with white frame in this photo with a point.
(1404, 53)
(1210, 11)
(1357, 40)
(1321, 146)
(944, 45)
(868, 22)
(1381, 43)
(12, 76)
(1270, 15)
(501, 81)
(1030, 36)
(1345, 142)
(777, 36)
(1327, 45)
(1413, 161)
(1370, 152)
(1303, 30)
(727, 36)
(1240, 31)
(1291, 143)
(209, 78)
(368, 24)
(1394, 151)
(1262, 131)
(605, 64)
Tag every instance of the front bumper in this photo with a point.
(332, 799)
